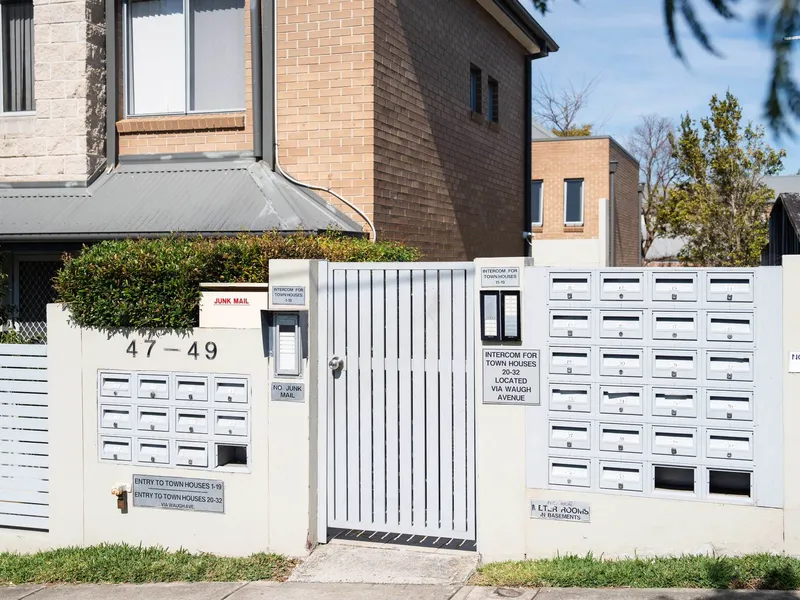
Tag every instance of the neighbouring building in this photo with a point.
(125, 118)
(584, 202)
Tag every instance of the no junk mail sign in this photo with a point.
(511, 376)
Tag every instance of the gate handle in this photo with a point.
(335, 363)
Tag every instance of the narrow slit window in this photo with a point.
(475, 92)
(16, 52)
(493, 98)
(573, 202)
(537, 187)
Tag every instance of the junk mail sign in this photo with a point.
(179, 493)
(511, 376)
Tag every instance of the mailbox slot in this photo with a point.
(191, 454)
(621, 400)
(621, 286)
(115, 385)
(152, 419)
(675, 364)
(114, 448)
(569, 471)
(570, 323)
(675, 441)
(730, 483)
(621, 476)
(621, 362)
(674, 479)
(729, 366)
(737, 445)
(570, 286)
(570, 434)
(570, 397)
(188, 420)
(730, 405)
(152, 451)
(674, 402)
(230, 423)
(674, 287)
(113, 416)
(617, 324)
(152, 386)
(191, 388)
(570, 361)
(230, 390)
(621, 437)
(674, 325)
(729, 287)
(729, 327)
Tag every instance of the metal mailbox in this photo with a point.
(573, 397)
(675, 441)
(569, 471)
(730, 405)
(621, 476)
(675, 364)
(115, 385)
(571, 323)
(729, 326)
(230, 389)
(191, 454)
(115, 448)
(670, 286)
(621, 437)
(152, 386)
(230, 423)
(570, 361)
(573, 435)
(113, 416)
(619, 399)
(729, 366)
(191, 388)
(570, 286)
(152, 451)
(674, 402)
(151, 418)
(618, 324)
(621, 286)
(621, 362)
(732, 286)
(736, 445)
(191, 421)
(674, 325)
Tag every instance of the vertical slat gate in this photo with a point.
(401, 410)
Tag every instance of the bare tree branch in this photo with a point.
(559, 109)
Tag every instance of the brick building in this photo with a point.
(414, 112)
(584, 202)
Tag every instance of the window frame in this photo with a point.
(493, 101)
(475, 89)
(127, 74)
(583, 215)
(3, 111)
(540, 222)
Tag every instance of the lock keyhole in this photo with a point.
(621, 409)
(569, 444)
(569, 295)
(569, 406)
(619, 486)
(730, 336)
(152, 459)
(730, 375)
(621, 334)
(619, 447)
(674, 335)
(674, 373)
(191, 397)
(730, 297)
(621, 296)
(729, 455)
(230, 398)
(152, 394)
(674, 412)
(190, 461)
(116, 425)
(673, 450)
(674, 296)
(730, 415)
(569, 369)
(115, 457)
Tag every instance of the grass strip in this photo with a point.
(120, 563)
(755, 571)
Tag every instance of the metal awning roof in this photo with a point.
(149, 199)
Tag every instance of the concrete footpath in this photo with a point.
(354, 591)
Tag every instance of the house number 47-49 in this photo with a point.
(210, 349)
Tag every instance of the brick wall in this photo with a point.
(444, 182)
(627, 243)
(65, 139)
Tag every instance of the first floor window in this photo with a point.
(536, 203)
(493, 98)
(475, 99)
(16, 51)
(185, 56)
(573, 202)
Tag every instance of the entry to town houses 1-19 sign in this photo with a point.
(510, 376)
(179, 493)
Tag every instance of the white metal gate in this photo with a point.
(400, 409)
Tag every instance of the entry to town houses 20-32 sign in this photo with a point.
(179, 493)
(510, 376)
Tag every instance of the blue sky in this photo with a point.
(622, 43)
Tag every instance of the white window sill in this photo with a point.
(18, 113)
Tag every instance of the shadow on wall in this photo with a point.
(445, 182)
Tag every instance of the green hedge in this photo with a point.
(155, 284)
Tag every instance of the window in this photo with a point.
(475, 89)
(536, 203)
(185, 56)
(16, 50)
(573, 201)
(493, 109)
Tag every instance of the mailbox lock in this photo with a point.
(730, 415)
(152, 427)
(569, 369)
(674, 335)
(674, 373)
(569, 406)
(621, 409)
(569, 444)
(116, 425)
(191, 397)
(674, 296)
(569, 333)
(730, 375)
(729, 454)
(621, 334)
(115, 392)
(673, 451)
(190, 461)
(674, 412)
(569, 480)
(230, 398)
(191, 429)
(230, 431)
(621, 296)
(569, 295)
(620, 371)
(730, 336)
(619, 447)
(152, 394)
(730, 297)
(114, 457)
(619, 486)
(335, 363)
(152, 459)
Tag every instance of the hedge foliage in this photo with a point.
(155, 284)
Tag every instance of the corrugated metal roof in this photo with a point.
(150, 199)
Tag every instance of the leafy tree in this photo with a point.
(719, 202)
